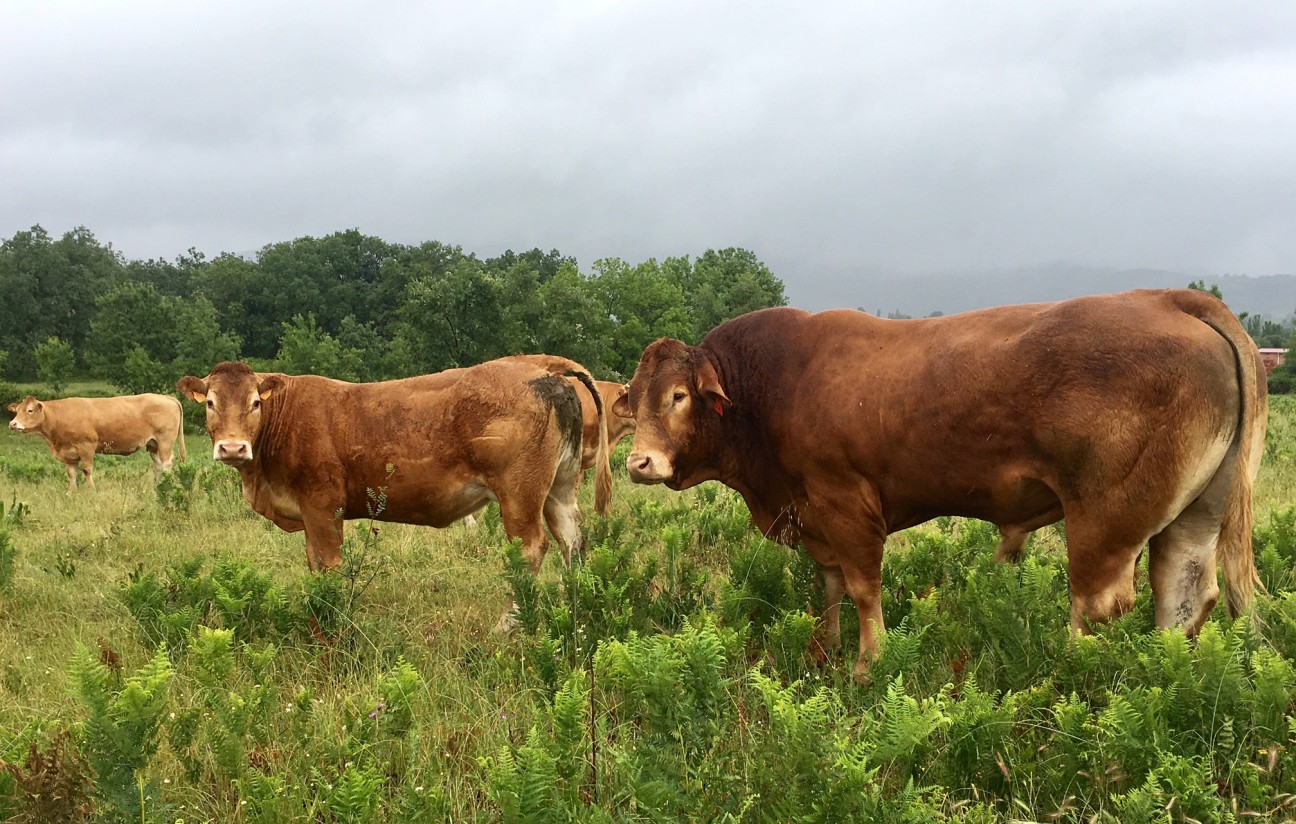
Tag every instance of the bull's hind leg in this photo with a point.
(1181, 560)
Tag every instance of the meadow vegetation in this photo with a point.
(166, 657)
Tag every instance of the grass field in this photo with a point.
(672, 676)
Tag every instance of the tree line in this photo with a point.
(348, 305)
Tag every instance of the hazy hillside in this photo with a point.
(1271, 295)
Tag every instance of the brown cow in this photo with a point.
(1139, 417)
(313, 451)
(77, 429)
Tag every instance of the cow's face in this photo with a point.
(233, 394)
(29, 415)
(676, 401)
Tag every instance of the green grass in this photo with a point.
(981, 664)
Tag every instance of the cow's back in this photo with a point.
(127, 421)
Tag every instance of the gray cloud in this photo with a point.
(838, 141)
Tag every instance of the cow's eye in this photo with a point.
(679, 396)
(256, 404)
(211, 404)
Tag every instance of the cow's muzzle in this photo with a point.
(232, 452)
(15, 426)
(647, 467)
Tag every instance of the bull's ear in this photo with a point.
(708, 383)
(269, 385)
(195, 389)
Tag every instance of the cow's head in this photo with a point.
(677, 403)
(233, 394)
(29, 415)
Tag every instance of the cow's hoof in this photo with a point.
(508, 622)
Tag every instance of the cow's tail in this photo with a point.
(1236, 553)
(558, 365)
(602, 454)
(184, 457)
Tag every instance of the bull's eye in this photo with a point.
(256, 404)
(679, 396)
(211, 404)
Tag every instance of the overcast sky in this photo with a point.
(838, 141)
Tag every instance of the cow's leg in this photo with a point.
(1182, 561)
(561, 511)
(152, 448)
(71, 470)
(323, 539)
(87, 468)
(523, 516)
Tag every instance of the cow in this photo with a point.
(77, 429)
(1139, 417)
(312, 452)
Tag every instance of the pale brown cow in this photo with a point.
(77, 429)
(313, 451)
(1139, 417)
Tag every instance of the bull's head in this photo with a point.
(233, 394)
(29, 415)
(677, 402)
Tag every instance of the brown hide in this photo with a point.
(426, 450)
(1138, 417)
(77, 429)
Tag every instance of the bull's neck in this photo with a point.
(748, 455)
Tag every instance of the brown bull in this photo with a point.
(313, 451)
(1139, 417)
(77, 429)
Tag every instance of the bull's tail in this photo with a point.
(557, 365)
(180, 431)
(1236, 554)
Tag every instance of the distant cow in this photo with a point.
(1139, 417)
(313, 451)
(78, 428)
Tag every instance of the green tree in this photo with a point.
(305, 349)
(1213, 289)
(129, 316)
(55, 362)
(200, 343)
(645, 303)
(141, 372)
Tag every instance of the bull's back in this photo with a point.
(968, 408)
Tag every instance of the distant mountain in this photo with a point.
(1271, 295)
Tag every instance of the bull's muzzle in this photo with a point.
(649, 467)
(232, 452)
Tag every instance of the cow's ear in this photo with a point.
(621, 403)
(13, 407)
(621, 406)
(708, 383)
(195, 389)
(269, 385)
